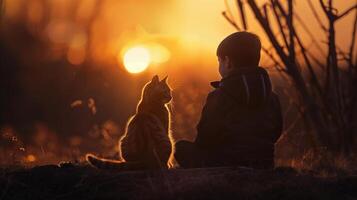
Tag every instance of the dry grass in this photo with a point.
(83, 182)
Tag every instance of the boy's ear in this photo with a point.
(228, 62)
(164, 80)
(226, 59)
(155, 79)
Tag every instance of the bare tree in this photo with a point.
(328, 98)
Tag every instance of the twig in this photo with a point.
(291, 31)
(230, 21)
(307, 61)
(353, 40)
(352, 82)
(229, 16)
(317, 61)
(346, 12)
(242, 14)
(322, 4)
(266, 14)
(281, 9)
(277, 19)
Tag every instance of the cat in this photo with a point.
(146, 143)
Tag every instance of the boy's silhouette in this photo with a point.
(241, 119)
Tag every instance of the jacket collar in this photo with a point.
(235, 73)
(215, 84)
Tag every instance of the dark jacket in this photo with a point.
(241, 119)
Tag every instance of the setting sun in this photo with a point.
(136, 59)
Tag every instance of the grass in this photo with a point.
(84, 182)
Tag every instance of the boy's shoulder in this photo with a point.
(215, 84)
(216, 89)
(216, 96)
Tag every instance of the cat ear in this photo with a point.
(155, 79)
(164, 80)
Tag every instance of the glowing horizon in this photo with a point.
(190, 30)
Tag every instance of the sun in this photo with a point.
(136, 59)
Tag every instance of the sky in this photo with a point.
(193, 27)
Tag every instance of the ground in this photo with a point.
(85, 182)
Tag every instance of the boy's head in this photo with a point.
(240, 49)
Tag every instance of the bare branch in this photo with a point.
(230, 21)
(347, 11)
(332, 63)
(323, 7)
(242, 14)
(265, 9)
(342, 53)
(262, 20)
(281, 9)
(228, 12)
(308, 64)
(267, 52)
(317, 61)
(352, 68)
(291, 31)
(278, 20)
(353, 40)
(329, 11)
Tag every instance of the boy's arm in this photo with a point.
(210, 126)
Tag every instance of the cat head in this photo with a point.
(157, 91)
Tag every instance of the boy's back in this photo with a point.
(242, 119)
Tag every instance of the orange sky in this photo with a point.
(190, 29)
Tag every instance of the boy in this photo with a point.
(241, 119)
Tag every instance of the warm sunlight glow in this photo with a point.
(136, 59)
(158, 53)
(31, 158)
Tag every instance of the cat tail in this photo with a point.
(102, 163)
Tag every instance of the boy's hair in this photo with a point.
(242, 48)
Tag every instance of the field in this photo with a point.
(84, 182)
